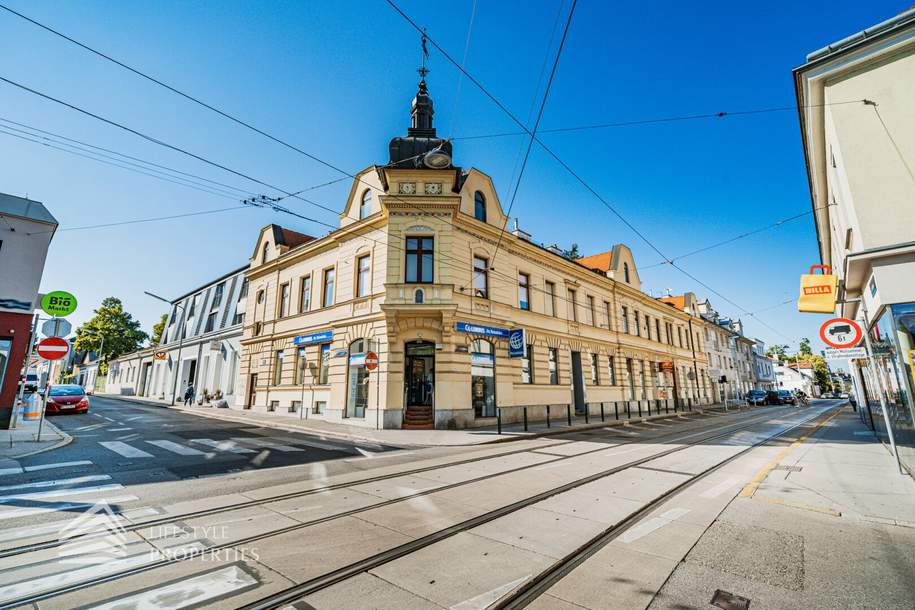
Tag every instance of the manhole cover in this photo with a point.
(729, 601)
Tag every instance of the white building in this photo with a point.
(200, 341)
(764, 373)
(788, 377)
(856, 104)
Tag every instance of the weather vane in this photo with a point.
(423, 70)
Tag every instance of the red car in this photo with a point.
(67, 398)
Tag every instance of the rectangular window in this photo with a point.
(527, 364)
(419, 261)
(595, 376)
(524, 281)
(648, 327)
(211, 322)
(328, 292)
(284, 300)
(240, 305)
(305, 294)
(549, 303)
(589, 313)
(625, 320)
(300, 366)
(217, 295)
(630, 378)
(657, 330)
(573, 305)
(364, 279)
(554, 366)
(274, 405)
(278, 368)
(296, 406)
(679, 336)
(607, 314)
(325, 363)
(319, 407)
(480, 277)
(612, 370)
(638, 326)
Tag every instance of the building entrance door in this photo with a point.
(578, 385)
(144, 378)
(252, 391)
(419, 376)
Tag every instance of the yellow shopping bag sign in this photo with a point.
(818, 291)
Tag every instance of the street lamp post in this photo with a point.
(180, 344)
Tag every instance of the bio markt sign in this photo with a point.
(58, 303)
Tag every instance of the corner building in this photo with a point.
(419, 274)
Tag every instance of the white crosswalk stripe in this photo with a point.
(266, 444)
(15, 513)
(124, 449)
(176, 447)
(229, 446)
(57, 483)
(55, 493)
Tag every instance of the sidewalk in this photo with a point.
(406, 438)
(24, 443)
(829, 522)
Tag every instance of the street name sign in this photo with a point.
(841, 333)
(56, 327)
(58, 303)
(843, 354)
(53, 348)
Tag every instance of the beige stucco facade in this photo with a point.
(388, 316)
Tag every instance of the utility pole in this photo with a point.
(177, 368)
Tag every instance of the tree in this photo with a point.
(777, 351)
(572, 254)
(121, 333)
(805, 347)
(158, 329)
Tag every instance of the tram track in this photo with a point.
(288, 596)
(707, 433)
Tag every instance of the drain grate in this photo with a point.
(729, 601)
(788, 468)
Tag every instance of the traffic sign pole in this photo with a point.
(28, 354)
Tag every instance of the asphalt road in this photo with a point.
(139, 456)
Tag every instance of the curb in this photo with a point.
(509, 437)
(65, 440)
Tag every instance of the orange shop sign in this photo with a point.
(818, 290)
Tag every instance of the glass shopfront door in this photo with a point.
(483, 378)
(419, 376)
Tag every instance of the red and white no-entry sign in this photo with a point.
(371, 361)
(841, 333)
(53, 348)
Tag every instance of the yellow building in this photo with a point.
(422, 273)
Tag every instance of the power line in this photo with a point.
(565, 165)
(530, 144)
(889, 135)
(143, 220)
(670, 119)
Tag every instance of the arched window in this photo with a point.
(479, 206)
(357, 395)
(626, 272)
(365, 207)
(483, 378)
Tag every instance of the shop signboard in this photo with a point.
(517, 339)
(479, 329)
(323, 336)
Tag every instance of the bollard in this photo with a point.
(616, 410)
(628, 410)
(587, 413)
(525, 418)
(569, 414)
(601, 411)
(548, 416)
(649, 407)
(639, 403)
(499, 419)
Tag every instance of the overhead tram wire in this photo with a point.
(143, 220)
(625, 221)
(530, 144)
(274, 138)
(671, 119)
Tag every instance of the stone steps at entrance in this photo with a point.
(418, 418)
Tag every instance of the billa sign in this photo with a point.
(818, 291)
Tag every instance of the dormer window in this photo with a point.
(479, 206)
(365, 207)
(626, 272)
(264, 253)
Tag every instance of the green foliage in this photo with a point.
(777, 351)
(572, 253)
(120, 331)
(805, 347)
(157, 330)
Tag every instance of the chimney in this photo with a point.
(517, 232)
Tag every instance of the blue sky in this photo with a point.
(336, 80)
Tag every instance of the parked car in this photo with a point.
(30, 382)
(757, 397)
(772, 398)
(787, 398)
(67, 398)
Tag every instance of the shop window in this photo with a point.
(325, 363)
(300, 364)
(278, 368)
(595, 376)
(554, 366)
(527, 364)
(611, 368)
(357, 395)
(483, 378)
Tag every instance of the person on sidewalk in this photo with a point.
(189, 395)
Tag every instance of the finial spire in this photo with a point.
(423, 71)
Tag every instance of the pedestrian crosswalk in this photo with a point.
(208, 447)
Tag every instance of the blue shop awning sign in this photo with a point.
(479, 329)
(319, 337)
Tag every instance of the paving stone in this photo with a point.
(367, 591)
(541, 531)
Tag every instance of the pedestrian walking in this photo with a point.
(189, 395)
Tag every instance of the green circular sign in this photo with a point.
(58, 303)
